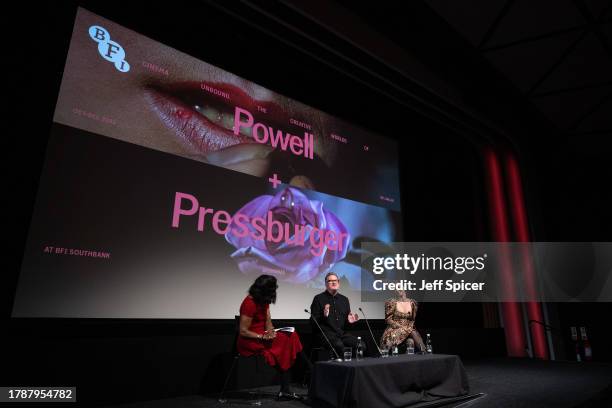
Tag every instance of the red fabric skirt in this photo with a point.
(281, 351)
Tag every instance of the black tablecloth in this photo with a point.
(387, 382)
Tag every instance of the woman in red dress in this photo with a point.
(257, 335)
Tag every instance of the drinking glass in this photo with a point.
(348, 353)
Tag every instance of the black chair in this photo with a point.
(319, 351)
(255, 367)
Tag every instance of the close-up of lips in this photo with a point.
(203, 123)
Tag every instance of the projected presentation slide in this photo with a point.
(169, 185)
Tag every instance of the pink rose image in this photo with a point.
(292, 237)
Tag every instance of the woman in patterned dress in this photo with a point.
(400, 314)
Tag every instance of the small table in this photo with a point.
(395, 381)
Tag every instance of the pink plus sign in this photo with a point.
(274, 180)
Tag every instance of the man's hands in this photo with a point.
(352, 317)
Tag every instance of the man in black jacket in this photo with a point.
(333, 310)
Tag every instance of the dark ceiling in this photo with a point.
(557, 53)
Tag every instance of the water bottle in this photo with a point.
(395, 352)
(588, 352)
(576, 344)
(359, 352)
(428, 344)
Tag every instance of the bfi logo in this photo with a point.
(108, 49)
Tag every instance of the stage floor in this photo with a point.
(506, 383)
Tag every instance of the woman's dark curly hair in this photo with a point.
(263, 290)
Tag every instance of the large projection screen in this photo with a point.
(169, 185)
